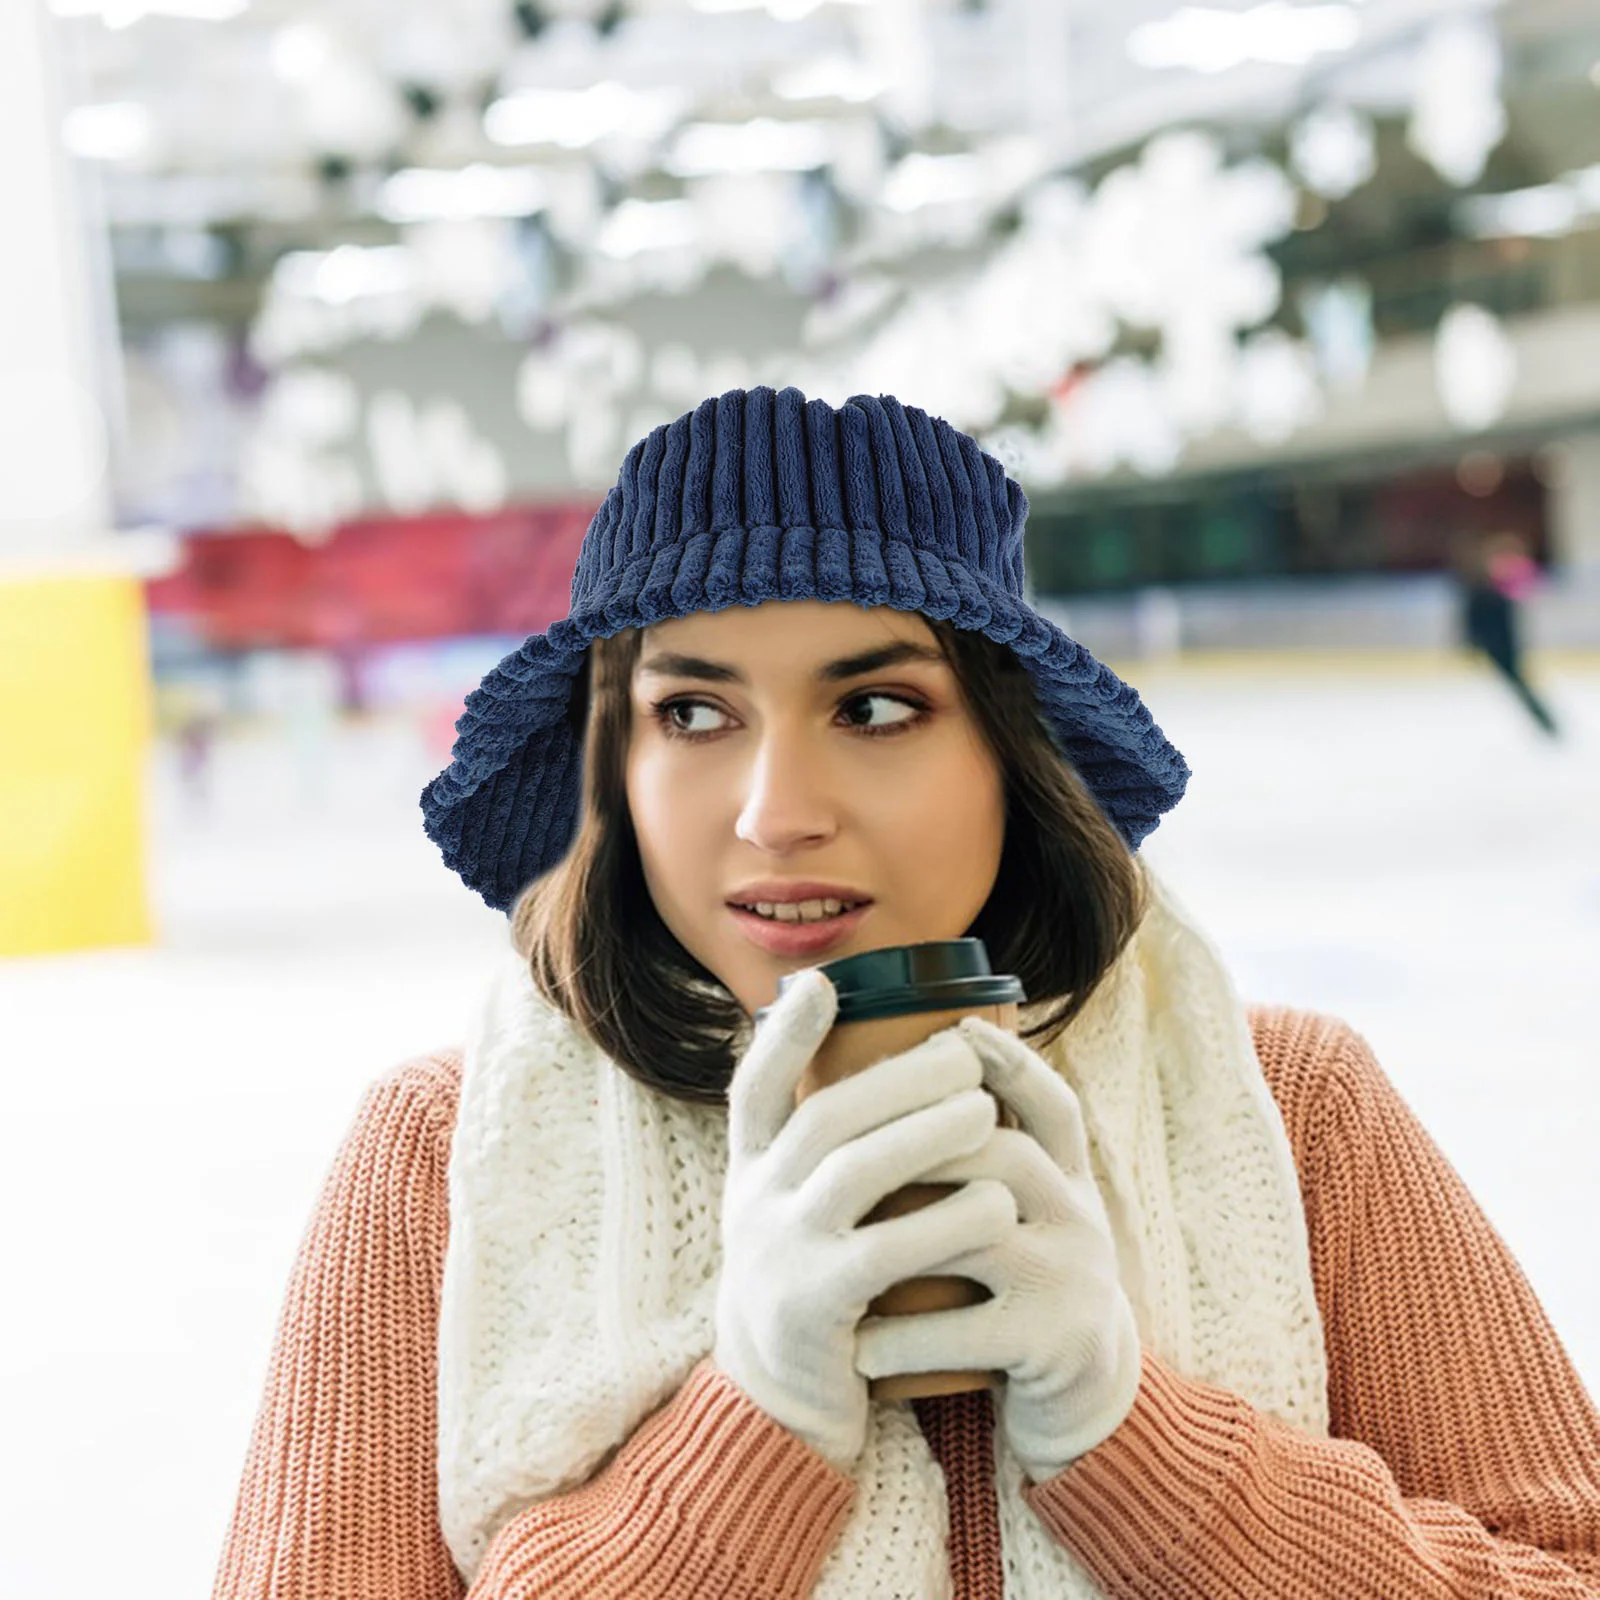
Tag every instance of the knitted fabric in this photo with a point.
(758, 496)
(1463, 1461)
(959, 1429)
(580, 1280)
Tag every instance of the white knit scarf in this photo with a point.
(581, 1274)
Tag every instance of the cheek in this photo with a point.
(670, 819)
(976, 783)
(658, 784)
(648, 805)
(953, 812)
(975, 840)
(977, 828)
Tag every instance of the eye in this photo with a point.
(667, 715)
(887, 699)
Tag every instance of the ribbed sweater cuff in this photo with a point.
(763, 1501)
(1128, 1507)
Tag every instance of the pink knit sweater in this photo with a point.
(1464, 1462)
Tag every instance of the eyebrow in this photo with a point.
(680, 666)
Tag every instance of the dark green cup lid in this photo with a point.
(939, 975)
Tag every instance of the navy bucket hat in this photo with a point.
(759, 495)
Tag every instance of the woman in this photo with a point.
(582, 1309)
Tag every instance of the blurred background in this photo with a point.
(324, 326)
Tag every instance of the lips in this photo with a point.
(844, 901)
(780, 891)
(798, 938)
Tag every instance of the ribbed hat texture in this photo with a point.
(759, 495)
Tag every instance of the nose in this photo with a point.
(789, 798)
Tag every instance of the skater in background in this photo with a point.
(1497, 573)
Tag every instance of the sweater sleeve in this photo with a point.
(1464, 1456)
(339, 1499)
(339, 1494)
(709, 1500)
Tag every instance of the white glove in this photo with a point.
(797, 1273)
(1059, 1327)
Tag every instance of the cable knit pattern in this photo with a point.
(1464, 1462)
(568, 1172)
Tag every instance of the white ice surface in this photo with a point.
(1401, 851)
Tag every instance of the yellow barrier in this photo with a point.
(75, 723)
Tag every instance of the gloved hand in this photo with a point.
(1059, 1327)
(797, 1273)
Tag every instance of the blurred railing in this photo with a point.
(1414, 613)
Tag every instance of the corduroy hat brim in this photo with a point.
(764, 495)
(505, 810)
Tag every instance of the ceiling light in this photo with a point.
(116, 131)
(637, 226)
(1544, 211)
(1475, 366)
(764, 145)
(1334, 149)
(346, 273)
(921, 180)
(421, 194)
(576, 118)
(1586, 182)
(783, 10)
(121, 13)
(300, 51)
(836, 78)
(1205, 39)
(1458, 113)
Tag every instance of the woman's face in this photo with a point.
(760, 753)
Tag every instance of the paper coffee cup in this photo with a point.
(888, 1001)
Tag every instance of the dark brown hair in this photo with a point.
(1067, 896)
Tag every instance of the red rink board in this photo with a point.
(380, 579)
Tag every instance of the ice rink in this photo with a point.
(1397, 846)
